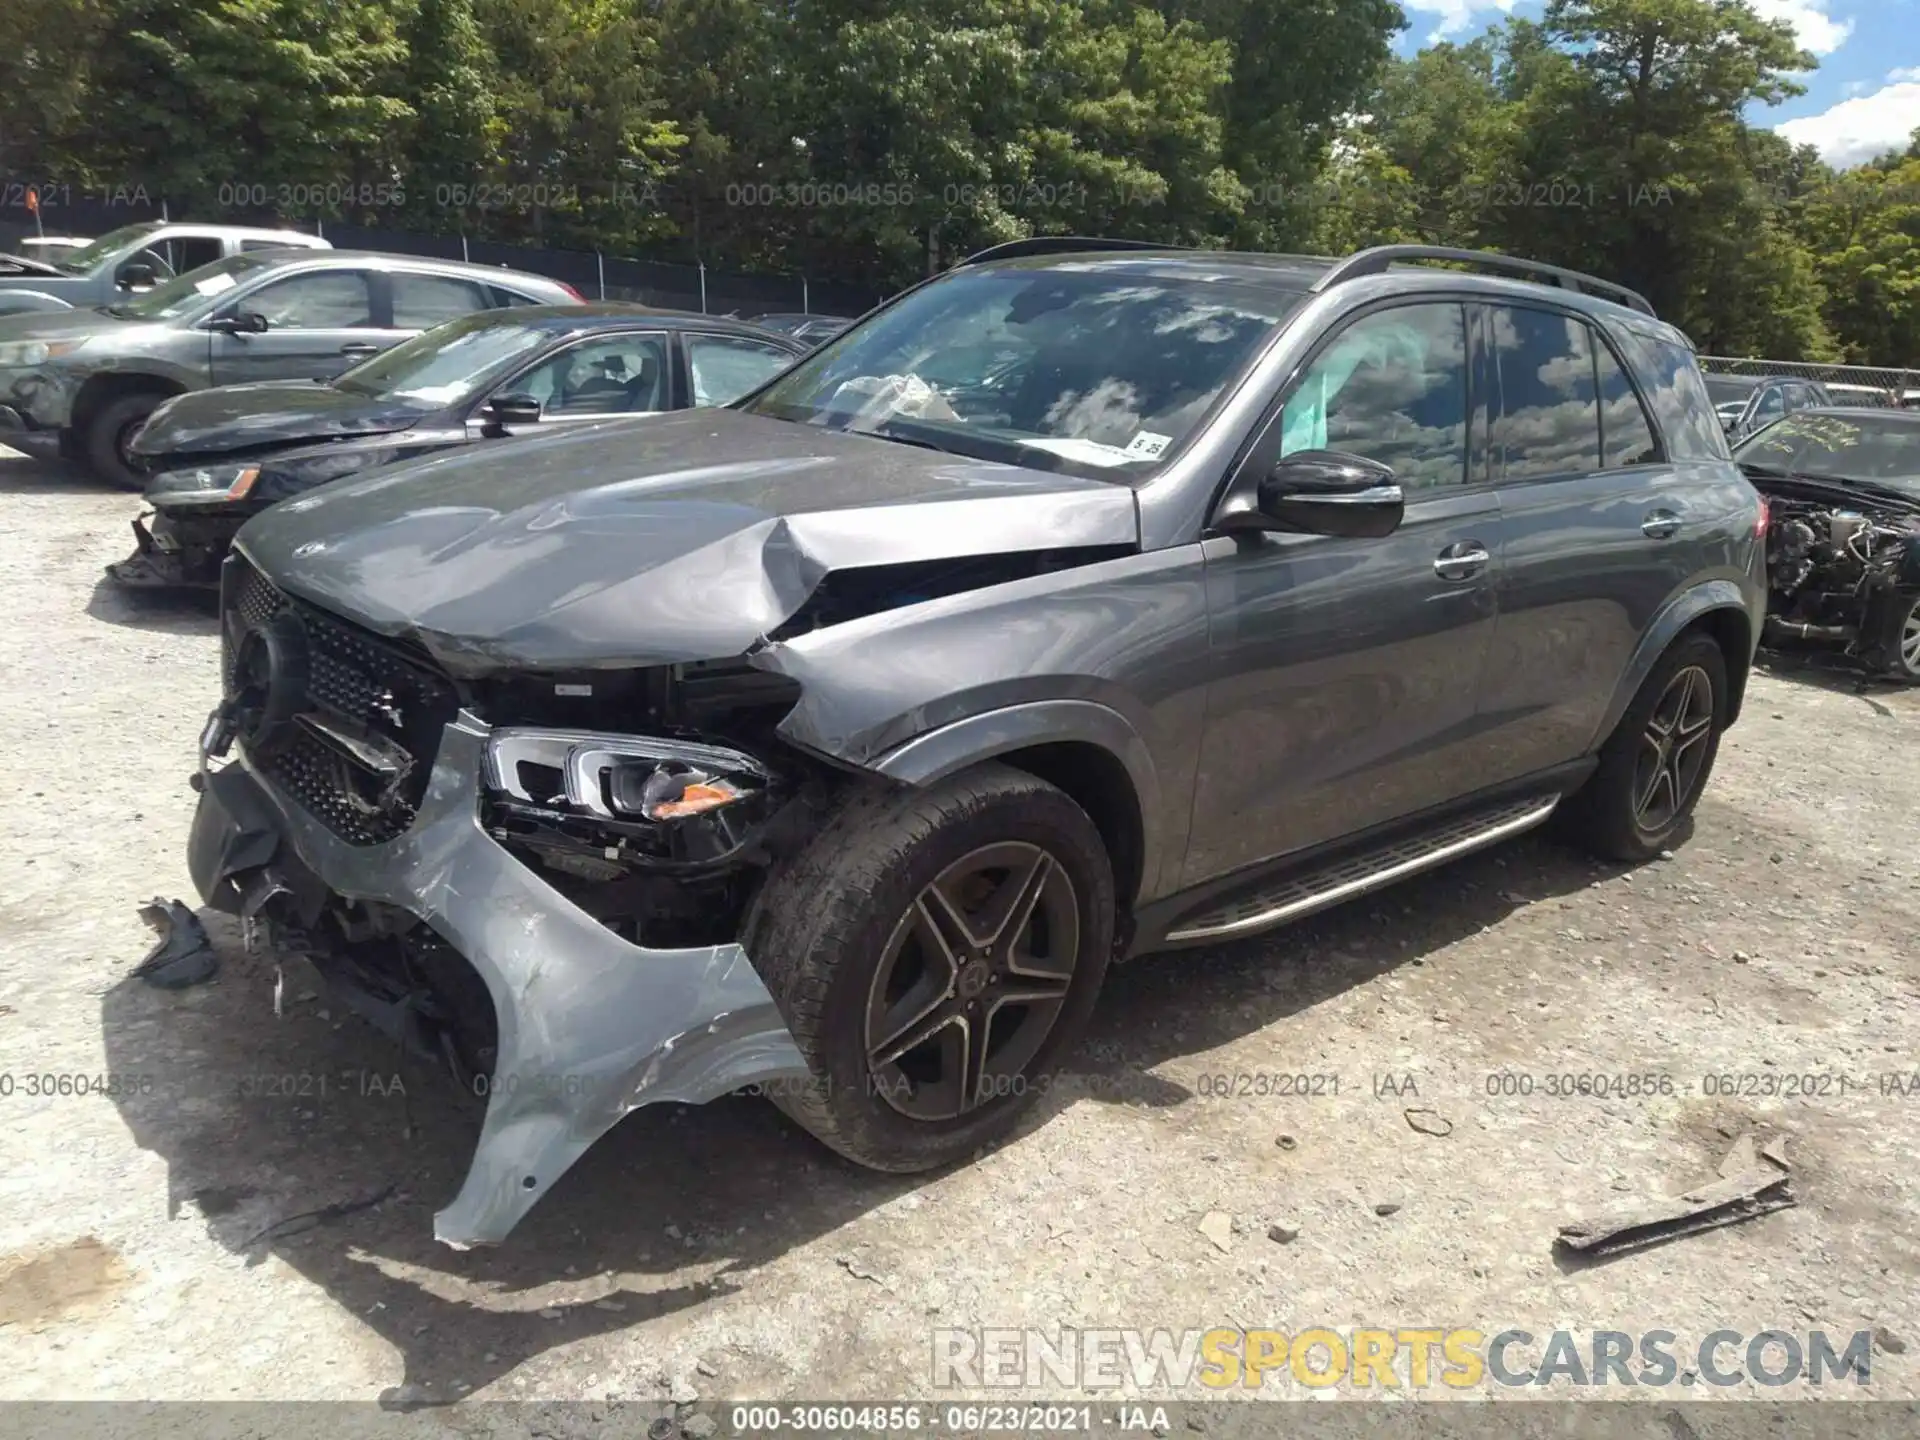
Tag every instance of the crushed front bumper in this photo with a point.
(590, 1027)
(160, 561)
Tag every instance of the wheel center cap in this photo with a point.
(974, 978)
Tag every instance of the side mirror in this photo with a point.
(1326, 492)
(505, 410)
(136, 276)
(242, 322)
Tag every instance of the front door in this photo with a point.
(318, 324)
(1346, 673)
(626, 373)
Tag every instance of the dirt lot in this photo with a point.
(720, 1252)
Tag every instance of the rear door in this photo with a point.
(421, 299)
(319, 322)
(1596, 527)
(1345, 674)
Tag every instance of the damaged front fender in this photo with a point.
(590, 1027)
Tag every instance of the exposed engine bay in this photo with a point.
(1842, 572)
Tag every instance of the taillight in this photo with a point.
(1766, 519)
(573, 292)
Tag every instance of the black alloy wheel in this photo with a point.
(972, 981)
(1673, 749)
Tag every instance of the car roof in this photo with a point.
(386, 260)
(605, 314)
(1300, 273)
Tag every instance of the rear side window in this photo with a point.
(1549, 422)
(1671, 379)
(422, 301)
(1626, 435)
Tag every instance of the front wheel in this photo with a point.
(1655, 765)
(934, 952)
(1893, 625)
(107, 436)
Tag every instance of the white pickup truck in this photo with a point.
(129, 260)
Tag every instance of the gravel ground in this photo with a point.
(719, 1252)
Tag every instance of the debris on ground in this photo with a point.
(324, 1215)
(1386, 1208)
(1429, 1122)
(182, 955)
(1283, 1234)
(1217, 1226)
(861, 1271)
(1750, 1184)
(1286, 1142)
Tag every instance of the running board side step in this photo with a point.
(1316, 889)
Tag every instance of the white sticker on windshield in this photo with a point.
(1148, 446)
(215, 283)
(1087, 452)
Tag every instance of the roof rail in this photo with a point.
(1058, 245)
(1377, 260)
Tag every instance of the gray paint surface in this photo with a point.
(1264, 693)
(590, 1027)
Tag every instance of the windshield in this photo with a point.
(447, 364)
(83, 260)
(192, 291)
(1828, 447)
(1097, 369)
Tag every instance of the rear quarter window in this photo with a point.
(1670, 377)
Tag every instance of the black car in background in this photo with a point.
(1843, 542)
(1746, 403)
(217, 457)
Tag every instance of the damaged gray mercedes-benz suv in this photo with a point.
(1087, 600)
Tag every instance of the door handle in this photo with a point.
(1462, 561)
(1660, 525)
(360, 349)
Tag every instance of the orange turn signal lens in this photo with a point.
(696, 799)
(243, 483)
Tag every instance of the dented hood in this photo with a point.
(269, 413)
(651, 540)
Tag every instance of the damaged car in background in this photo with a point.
(219, 457)
(1843, 543)
(837, 740)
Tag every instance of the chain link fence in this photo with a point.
(1867, 383)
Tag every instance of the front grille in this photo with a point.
(353, 676)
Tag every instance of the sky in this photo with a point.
(1863, 101)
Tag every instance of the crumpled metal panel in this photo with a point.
(590, 1027)
(655, 541)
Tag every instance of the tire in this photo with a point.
(1893, 620)
(1627, 812)
(849, 937)
(109, 428)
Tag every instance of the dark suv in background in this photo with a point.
(836, 741)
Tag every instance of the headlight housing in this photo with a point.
(619, 777)
(204, 485)
(17, 354)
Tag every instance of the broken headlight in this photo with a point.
(206, 485)
(633, 800)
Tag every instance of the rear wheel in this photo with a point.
(934, 952)
(1655, 765)
(107, 434)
